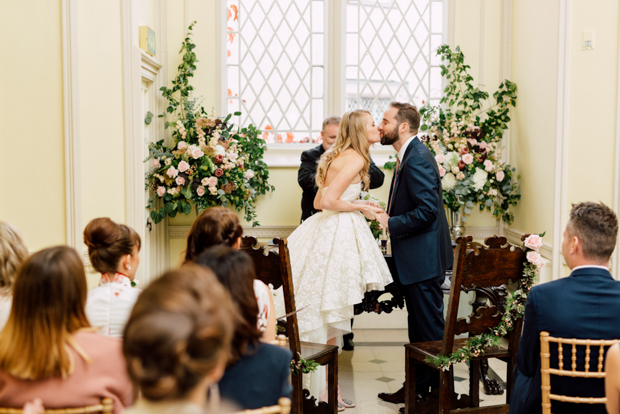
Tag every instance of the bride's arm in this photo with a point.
(331, 199)
(317, 199)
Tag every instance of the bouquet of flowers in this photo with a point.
(207, 162)
(466, 141)
(375, 227)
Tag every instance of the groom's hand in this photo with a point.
(383, 218)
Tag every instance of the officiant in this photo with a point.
(310, 158)
(306, 179)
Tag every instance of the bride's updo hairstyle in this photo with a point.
(108, 242)
(179, 333)
(352, 133)
(215, 225)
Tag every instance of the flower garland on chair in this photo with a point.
(514, 310)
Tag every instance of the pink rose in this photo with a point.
(212, 182)
(156, 163)
(500, 176)
(219, 172)
(200, 191)
(472, 141)
(455, 170)
(161, 191)
(534, 242)
(439, 158)
(183, 166)
(196, 153)
(468, 158)
(213, 190)
(180, 180)
(536, 259)
(488, 165)
(172, 172)
(460, 175)
(442, 171)
(482, 145)
(182, 145)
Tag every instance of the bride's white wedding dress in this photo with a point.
(334, 260)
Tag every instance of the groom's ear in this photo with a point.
(403, 128)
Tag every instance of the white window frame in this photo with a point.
(280, 155)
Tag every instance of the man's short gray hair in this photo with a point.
(330, 120)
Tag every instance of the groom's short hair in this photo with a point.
(407, 113)
(596, 226)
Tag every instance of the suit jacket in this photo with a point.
(585, 305)
(307, 175)
(418, 226)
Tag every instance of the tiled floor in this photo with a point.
(378, 365)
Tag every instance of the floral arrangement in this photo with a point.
(207, 162)
(302, 365)
(466, 141)
(375, 227)
(514, 309)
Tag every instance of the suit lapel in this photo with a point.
(394, 186)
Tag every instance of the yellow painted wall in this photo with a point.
(32, 191)
(534, 70)
(593, 84)
(101, 111)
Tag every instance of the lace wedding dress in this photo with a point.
(334, 260)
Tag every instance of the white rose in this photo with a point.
(219, 150)
(448, 182)
(248, 175)
(480, 179)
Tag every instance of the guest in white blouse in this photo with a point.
(114, 252)
(13, 253)
(219, 226)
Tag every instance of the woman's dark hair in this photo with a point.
(179, 332)
(108, 242)
(235, 271)
(215, 225)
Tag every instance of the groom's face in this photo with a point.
(389, 127)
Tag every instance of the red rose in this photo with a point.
(219, 158)
(461, 165)
(219, 172)
(464, 151)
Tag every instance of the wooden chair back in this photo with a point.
(485, 269)
(283, 407)
(106, 407)
(273, 267)
(546, 371)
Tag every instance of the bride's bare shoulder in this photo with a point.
(350, 155)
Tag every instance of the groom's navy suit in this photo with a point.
(585, 305)
(421, 245)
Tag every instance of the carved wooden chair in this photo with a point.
(485, 269)
(546, 371)
(106, 407)
(273, 267)
(283, 407)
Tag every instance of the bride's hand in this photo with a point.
(370, 211)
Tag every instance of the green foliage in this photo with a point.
(304, 366)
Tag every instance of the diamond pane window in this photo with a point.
(390, 54)
(276, 69)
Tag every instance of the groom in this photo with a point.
(416, 222)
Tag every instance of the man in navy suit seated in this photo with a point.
(585, 305)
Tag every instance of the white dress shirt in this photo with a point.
(108, 305)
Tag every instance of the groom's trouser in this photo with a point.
(424, 302)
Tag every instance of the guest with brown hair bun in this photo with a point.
(177, 341)
(114, 252)
(13, 252)
(219, 226)
(47, 348)
(250, 358)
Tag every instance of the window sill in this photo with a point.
(289, 155)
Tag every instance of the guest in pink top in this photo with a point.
(47, 348)
(113, 250)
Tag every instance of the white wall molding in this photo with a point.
(561, 139)
(505, 73)
(481, 54)
(449, 17)
(615, 270)
(71, 114)
(514, 237)
(289, 155)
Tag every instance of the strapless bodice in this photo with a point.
(351, 193)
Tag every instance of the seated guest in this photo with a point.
(612, 379)
(258, 374)
(584, 305)
(220, 226)
(47, 348)
(177, 341)
(113, 250)
(13, 252)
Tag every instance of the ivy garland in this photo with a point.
(514, 310)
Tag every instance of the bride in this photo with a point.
(334, 257)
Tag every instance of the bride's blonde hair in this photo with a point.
(352, 133)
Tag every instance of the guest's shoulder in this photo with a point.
(274, 353)
(98, 345)
(312, 153)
